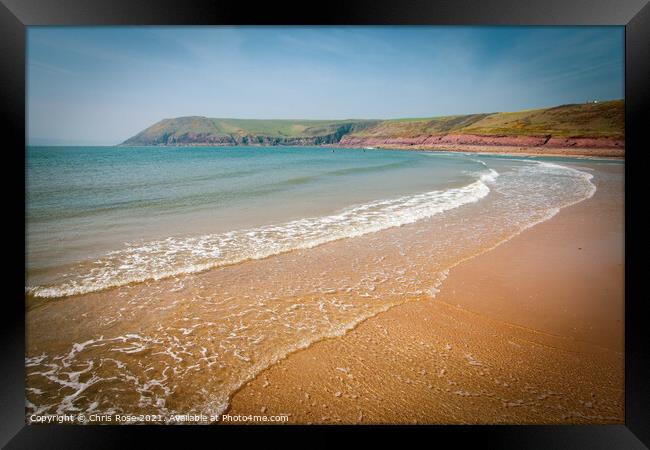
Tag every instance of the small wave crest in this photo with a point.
(176, 256)
(150, 368)
(488, 175)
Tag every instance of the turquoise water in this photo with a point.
(85, 202)
(171, 325)
(101, 217)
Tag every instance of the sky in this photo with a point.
(102, 85)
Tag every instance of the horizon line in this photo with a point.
(28, 138)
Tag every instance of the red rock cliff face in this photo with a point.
(470, 139)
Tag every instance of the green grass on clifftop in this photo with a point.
(593, 120)
(599, 120)
(203, 129)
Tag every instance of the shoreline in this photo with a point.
(568, 152)
(400, 366)
(190, 307)
(561, 152)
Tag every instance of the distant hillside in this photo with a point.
(589, 125)
(604, 119)
(203, 130)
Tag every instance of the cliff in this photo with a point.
(206, 131)
(578, 126)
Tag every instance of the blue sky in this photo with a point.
(101, 85)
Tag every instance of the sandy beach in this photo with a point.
(325, 225)
(529, 332)
(461, 317)
(573, 152)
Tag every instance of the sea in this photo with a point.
(176, 274)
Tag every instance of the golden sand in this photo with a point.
(575, 152)
(530, 332)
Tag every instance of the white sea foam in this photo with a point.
(174, 256)
(155, 260)
(526, 195)
(489, 177)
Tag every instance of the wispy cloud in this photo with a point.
(107, 83)
(49, 68)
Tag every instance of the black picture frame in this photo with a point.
(16, 15)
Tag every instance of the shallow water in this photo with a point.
(178, 209)
(184, 343)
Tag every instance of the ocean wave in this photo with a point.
(171, 353)
(296, 181)
(175, 256)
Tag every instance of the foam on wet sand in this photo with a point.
(188, 342)
(529, 332)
